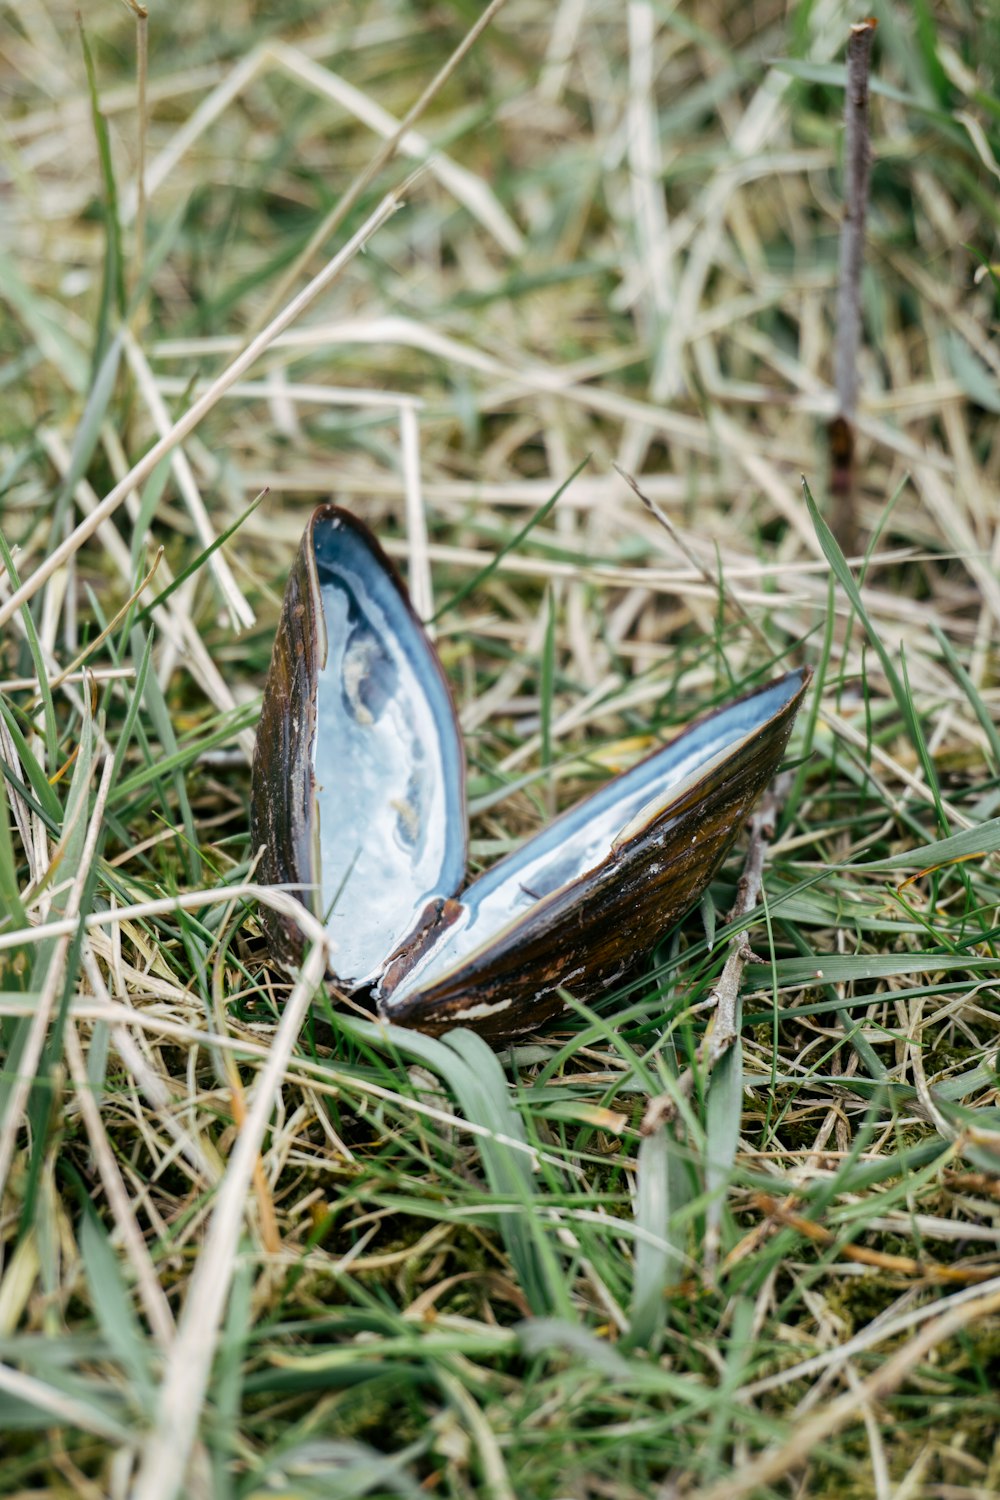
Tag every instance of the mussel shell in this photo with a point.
(358, 802)
(282, 785)
(590, 934)
(358, 786)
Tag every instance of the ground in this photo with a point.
(253, 1242)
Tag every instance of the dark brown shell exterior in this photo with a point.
(593, 933)
(281, 801)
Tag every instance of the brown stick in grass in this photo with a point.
(857, 170)
(724, 1029)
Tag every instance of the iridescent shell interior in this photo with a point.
(387, 758)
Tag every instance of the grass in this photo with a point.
(253, 1244)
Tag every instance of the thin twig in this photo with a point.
(894, 1265)
(762, 825)
(857, 168)
(723, 1000)
(142, 133)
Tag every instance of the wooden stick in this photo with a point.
(724, 1031)
(857, 170)
(762, 824)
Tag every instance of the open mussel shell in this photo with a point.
(358, 800)
(581, 905)
(358, 793)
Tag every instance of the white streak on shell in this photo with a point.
(476, 1012)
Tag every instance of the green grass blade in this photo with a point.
(41, 1403)
(982, 840)
(113, 1309)
(152, 494)
(135, 696)
(64, 870)
(739, 1354)
(227, 1378)
(113, 280)
(45, 321)
(965, 682)
(845, 578)
(48, 804)
(478, 579)
(169, 766)
(186, 753)
(656, 1266)
(199, 561)
(38, 662)
(335, 1469)
(88, 432)
(12, 913)
(723, 1114)
(827, 968)
(472, 1071)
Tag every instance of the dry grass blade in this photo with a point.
(199, 409)
(167, 1450)
(59, 1407)
(779, 1462)
(714, 583)
(30, 1056)
(155, 1303)
(384, 155)
(240, 611)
